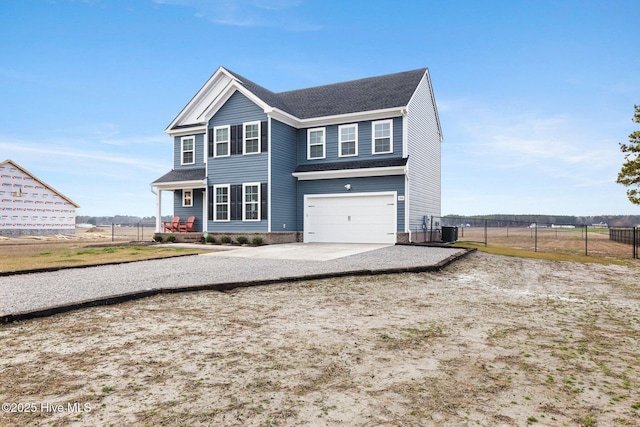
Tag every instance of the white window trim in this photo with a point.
(373, 136)
(182, 151)
(244, 138)
(340, 141)
(215, 141)
(216, 204)
(244, 202)
(324, 143)
(184, 193)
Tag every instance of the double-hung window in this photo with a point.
(251, 202)
(221, 202)
(187, 198)
(221, 141)
(382, 137)
(316, 144)
(348, 140)
(187, 150)
(251, 138)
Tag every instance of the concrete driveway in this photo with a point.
(300, 251)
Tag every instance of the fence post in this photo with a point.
(535, 240)
(485, 233)
(431, 229)
(586, 240)
(113, 231)
(635, 242)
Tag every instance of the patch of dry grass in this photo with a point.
(27, 257)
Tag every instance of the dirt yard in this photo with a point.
(490, 341)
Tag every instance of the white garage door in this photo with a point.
(350, 218)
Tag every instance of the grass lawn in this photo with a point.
(27, 257)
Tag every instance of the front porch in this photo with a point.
(188, 188)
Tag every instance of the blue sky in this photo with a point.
(533, 96)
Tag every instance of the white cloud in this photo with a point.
(282, 14)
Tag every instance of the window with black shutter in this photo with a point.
(210, 202)
(264, 136)
(236, 202)
(263, 201)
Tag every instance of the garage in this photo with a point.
(350, 218)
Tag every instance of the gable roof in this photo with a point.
(379, 94)
(44, 184)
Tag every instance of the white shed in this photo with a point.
(29, 206)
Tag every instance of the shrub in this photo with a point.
(171, 239)
(242, 240)
(157, 237)
(257, 240)
(225, 239)
(210, 239)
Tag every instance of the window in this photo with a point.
(187, 198)
(251, 202)
(251, 138)
(221, 202)
(348, 140)
(382, 140)
(187, 149)
(221, 141)
(315, 144)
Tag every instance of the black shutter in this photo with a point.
(264, 139)
(210, 142)
(236, 202)
(233, 142)
(264, 198)
(211, 198)
(239, 132)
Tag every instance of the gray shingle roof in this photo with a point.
(181, 175)
(357, 164)
(373, 93)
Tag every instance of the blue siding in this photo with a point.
(364, 143)
(237, 110)
(238, 169)
(358, 185)
(283, 184)
(199, 152)
(195, 210)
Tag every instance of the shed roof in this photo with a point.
(181, 175)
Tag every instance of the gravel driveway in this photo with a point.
(42, 291)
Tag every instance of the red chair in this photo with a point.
(187, 226)
(172, 225)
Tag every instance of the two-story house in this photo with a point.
(357, 161)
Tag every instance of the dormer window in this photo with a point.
(188, 150)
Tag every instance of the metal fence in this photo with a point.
(629, 236)
(588, 240)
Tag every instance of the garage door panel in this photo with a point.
(358, 218)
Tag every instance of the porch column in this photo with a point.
(159, 211)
